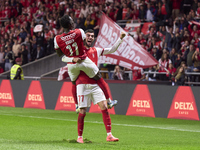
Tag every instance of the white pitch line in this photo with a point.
(128, 125)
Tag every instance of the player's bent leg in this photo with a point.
(102, 84)
(81, 117)
(103, 105)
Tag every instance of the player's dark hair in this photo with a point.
(89, 30)
(65, 22)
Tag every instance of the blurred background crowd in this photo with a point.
(173, 38)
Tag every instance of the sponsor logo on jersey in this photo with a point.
(183, 105)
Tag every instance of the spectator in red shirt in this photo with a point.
(135, 11)
(77, 10)
(34, 8)
(138, 74)
(193, 30)
(170, 71)
(163, 10)
(164, 62)
(124, 11)
(23, 2)
(176, 4)
(195, 40)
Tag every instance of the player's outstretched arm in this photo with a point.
(115, 46)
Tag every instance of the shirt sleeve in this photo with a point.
(67, 59)
(113, 48)
(56, 44)
(82, 34)
(99, 51)
(18, 76)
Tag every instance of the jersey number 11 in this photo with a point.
(70, 48)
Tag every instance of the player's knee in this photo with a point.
(97, 76)
(82, 110)
(103, 105)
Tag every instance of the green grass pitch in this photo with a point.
(36, 129)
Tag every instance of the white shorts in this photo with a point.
(86, 66)
(87, 93)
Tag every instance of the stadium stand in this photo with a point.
(167, 29)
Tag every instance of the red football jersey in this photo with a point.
(83, 78)
(71, 43)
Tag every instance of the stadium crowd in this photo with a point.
(173, 38)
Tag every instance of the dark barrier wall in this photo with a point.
(43, 65)
(161, 95)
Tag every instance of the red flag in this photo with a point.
(145, 27)
(63, 73)
(132, 28)
(129, 54)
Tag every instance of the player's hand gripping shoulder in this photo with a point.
(122, 35)
(76, 60)
(71, 59)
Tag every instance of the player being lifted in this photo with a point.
(88, 90)
(70, 43)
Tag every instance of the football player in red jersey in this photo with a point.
(88, 89)
(70, 43)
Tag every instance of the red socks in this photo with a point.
(74, 93)
(106, 120)
(80, 123)
(102, 84)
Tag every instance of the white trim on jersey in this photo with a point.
(67, 59)
(55, 43)
(99, 51)
(83, 34)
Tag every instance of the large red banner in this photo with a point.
(129, 54)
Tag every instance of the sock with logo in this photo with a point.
(102, 84)
(74, 93)
(106, 120)
(80, 123)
